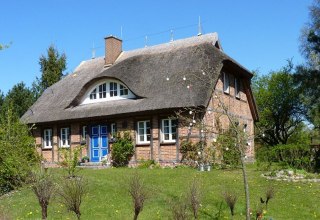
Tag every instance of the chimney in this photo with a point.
(113, 48)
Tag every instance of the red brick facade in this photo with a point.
(156, 149)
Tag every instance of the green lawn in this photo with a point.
(109, 198)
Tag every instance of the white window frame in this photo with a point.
(145, 134)
(237, 87)
(84, 133)
(113, 130)
(67, 133)
(226, 83)
(45, 136)
(170, 125)
(95, 92)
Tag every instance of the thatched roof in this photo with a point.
(145, 73)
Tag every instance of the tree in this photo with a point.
(307, 77)
(279, 105)
(52, 66)
(21, 98)
(17, 151)
(1, 99)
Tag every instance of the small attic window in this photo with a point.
(107, 90)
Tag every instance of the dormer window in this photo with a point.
(107, 90)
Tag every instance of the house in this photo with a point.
(140, 91)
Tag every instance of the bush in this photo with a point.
(72, 192)
(296, 156)
(18, 154)
(43, 187)
(70, 159)
(138, 194)
(189, 151)
(122, 150)
(230, 155)
(148, 164)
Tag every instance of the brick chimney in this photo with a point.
(113, 48)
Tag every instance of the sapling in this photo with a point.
(195, 198)
(138, 194)
(43, 187)
(72, 192)
(231, 200)
(179, 209)
(269, 195)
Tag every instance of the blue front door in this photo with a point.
(99, 142)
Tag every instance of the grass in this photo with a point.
(109, 198)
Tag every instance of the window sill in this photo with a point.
(143, 144)
(64, 146)
(168, 142)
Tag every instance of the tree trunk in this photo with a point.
(135, 216)
(246, 187)
(44, 210)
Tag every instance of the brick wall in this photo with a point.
(157, 150)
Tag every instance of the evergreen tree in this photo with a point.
(21, 98)
(307, 76)
(52, 66)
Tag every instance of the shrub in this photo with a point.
(72, 192)
(296, 156)
(231, 199)
(148, 164)
(122, 150)
(18, 153)
(189, 151)
(230, 155)
(43, 187)
(138, 194)
(179, 209)
(70, 159)
(195, 198)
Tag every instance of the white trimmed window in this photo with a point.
(65, 137)
(113, 130)
(226, 83)
(84, 133)
(47, 138)
(143, 136)
(237, 87)
(168, 130)
(107, 90)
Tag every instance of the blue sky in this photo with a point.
(258, 34)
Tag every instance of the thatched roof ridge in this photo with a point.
(144, 71)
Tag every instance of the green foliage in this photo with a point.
(21, 98)
(52, 66)
(70, 159)
(148, 164)
(230, 154)
(298, 156)
(189, 152)
(17, 151)
(307, 76)
(280, 108)
(122, 150)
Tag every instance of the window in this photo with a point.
(113, 130)
(65, 137)
(84, 133)
(123, 90)
(107, 90)
(168, 130)
(93, 94)
(113, 89)
(226, 83)
(47, 138)
(237, 87)
(102, 91)
(245, 127)
(143, 132)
